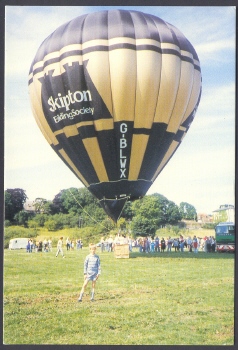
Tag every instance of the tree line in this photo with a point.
(77, 207)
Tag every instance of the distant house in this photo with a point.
(203, 218)
(29, 206)
(225, 213)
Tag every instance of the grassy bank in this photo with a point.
(171, 298)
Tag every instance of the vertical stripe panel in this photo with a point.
(170, 75)
(99, 71)
(139, 145)
(35, 97)
(196, 89)
(148, 80)
(147, 87)
(123, 83)
(183, 94)
(94, 152)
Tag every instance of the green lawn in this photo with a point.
(149, 299)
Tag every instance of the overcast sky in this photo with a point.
(201, 172)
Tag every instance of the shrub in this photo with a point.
(17, 231)
(7, 223)
(51, 225)
(209, 226)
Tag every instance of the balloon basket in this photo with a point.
(121, 251)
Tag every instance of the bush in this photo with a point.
(17, 231)
(209, 226)
(51, 225)
(7, 223)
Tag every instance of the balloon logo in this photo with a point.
(114, 93)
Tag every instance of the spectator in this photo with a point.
(213, 244)
(60, 247)
(189, 244)
(176, 243)
(110, 242)
(163, 245)
(182, 245)
(157, 244)
(102, 244)
(209, 244)
(50, 245)
(152, 246)
(67, 243)
(195, 244)
(28, 246)
(170, 242)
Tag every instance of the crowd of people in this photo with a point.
(45, 246)
(143, 244)
(152, 245)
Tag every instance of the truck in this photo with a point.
(225, 237)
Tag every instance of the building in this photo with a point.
(203, 218)
(225, 213)
(29, 206)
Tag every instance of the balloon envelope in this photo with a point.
(114, 93)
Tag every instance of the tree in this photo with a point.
(187, 211)
(149, 214)
(173, 213)
(39, 204)
(51, 225)
(22, 218)
(127, 212)
(58, 203)
(73, 200)
(9, 211)
(14, 202)
(44, 206)
(152, 212)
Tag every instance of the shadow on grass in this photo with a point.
(184, 255)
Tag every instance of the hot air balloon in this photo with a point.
(114, 93)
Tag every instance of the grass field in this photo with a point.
(149, 299)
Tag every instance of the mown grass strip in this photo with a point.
(150, 299)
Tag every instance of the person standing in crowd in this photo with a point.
(50, 245)
(67, 243)
(157, 244)
(130, 243)
(144, 244)
(60, 247)
(163, 245)
(176, 245)
(152, 246)
(209, 245)
(31, 245)
(110, 242)
(170, 242)
(195, 244)
(92, 270)
(140, 242)
(40, 246)
(147, 245)
(28, 246)
(213, 244)
(45, 245)
(181, 243)
(102, 244)
(189, 244)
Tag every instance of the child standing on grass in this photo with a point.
(92, 270)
